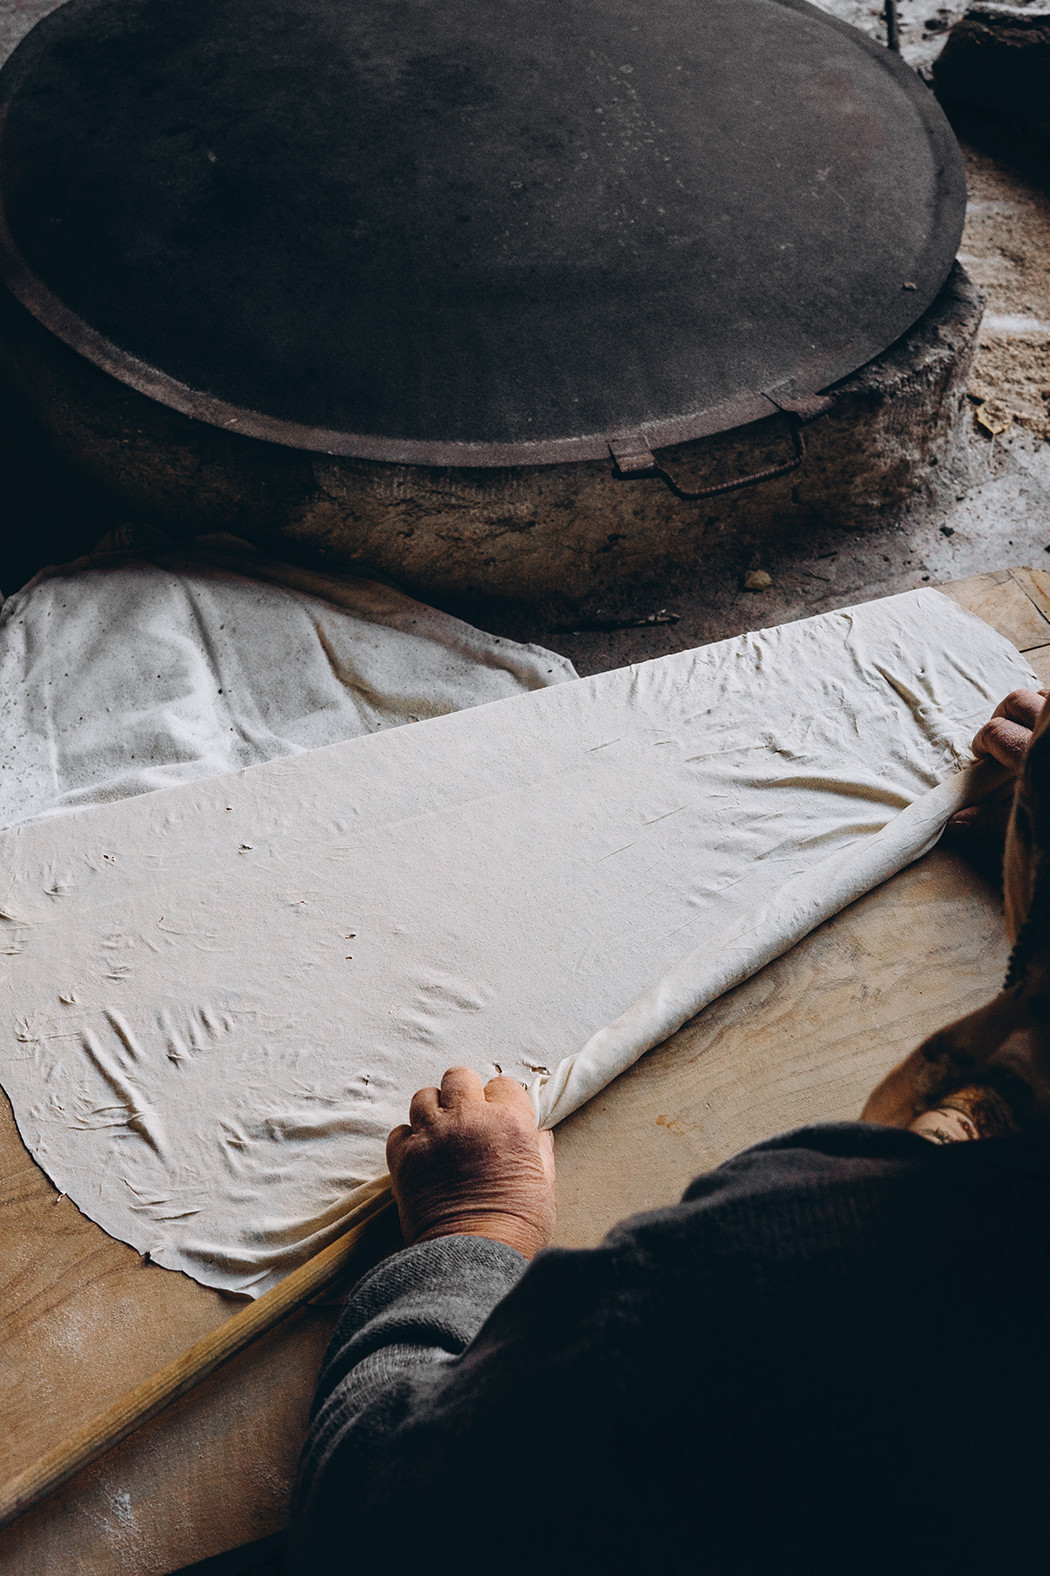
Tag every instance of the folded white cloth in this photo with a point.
(129, 671)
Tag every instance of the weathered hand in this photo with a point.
(1008, 732)
(474, 1163)
(1005, 737)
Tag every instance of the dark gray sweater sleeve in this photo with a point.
(401, 1328)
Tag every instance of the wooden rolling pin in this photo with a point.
(143, 1402)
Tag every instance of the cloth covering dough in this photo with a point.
(218, 998)
(129, 671)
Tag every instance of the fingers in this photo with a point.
(1008, 733)
(395, 1147)
(1022, 706)
(424, 1105)
(461, 1085)
(1005, 741)
(1043, 720)
(984, 822)
(509, 1092)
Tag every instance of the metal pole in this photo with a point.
(893, 32)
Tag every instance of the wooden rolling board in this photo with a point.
(83, 1318)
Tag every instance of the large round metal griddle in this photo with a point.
(472, 232)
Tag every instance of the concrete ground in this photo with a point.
(995, 508)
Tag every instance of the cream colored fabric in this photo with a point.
(218, 998)
(129, 671)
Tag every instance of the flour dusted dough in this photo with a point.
(217, 998)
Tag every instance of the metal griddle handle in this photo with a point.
(635, 461)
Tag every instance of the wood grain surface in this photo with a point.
(82, 1318)
(151, 1396)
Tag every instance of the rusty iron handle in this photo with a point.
(635, 462)
(741, 481)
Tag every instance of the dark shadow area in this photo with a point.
(992, 132)
(984, 858)
(267, 1557)
(993, 82)
(47, 518)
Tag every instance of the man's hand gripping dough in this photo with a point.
(473, 1163)
(989, 1072)
(1005, 737)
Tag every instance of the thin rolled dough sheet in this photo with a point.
(218, 998)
